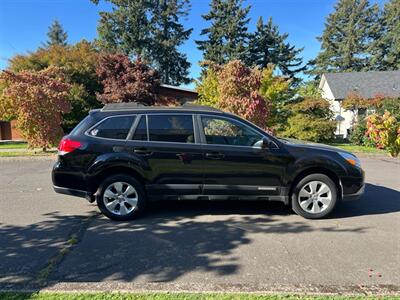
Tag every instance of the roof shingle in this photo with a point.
(367, 84)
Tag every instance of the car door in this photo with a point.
(166, 142)
(235, 163)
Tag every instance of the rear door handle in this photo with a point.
(142, 151)
(215, 155)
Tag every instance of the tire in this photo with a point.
(121, 197)
(315, 196)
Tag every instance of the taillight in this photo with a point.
(67, 145)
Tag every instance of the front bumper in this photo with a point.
(354, 196)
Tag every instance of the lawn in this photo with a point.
(175, 296)
(356, 148)
(14, 146)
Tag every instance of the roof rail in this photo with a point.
(141, 106)
(122, 106)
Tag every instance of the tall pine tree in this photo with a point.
(168, 34)
(227, 37)
(386, 49)
(150, 29)
(56, 35)
(268, 46)
(347, 38)
(126, 28)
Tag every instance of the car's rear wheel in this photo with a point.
(121, 197)
(314, 196)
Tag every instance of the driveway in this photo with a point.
(63, 243)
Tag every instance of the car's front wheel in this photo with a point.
(314, 196)
(121, 197)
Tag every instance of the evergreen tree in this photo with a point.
(268, 46)
(126, 28)
(151, 30)
(168, 34)
(386, 50)
(347, 38)
(227, 37)
(56, 35)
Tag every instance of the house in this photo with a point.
(336, 87)
(8, 130)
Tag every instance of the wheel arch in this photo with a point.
(316, 170)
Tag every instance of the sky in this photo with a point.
(24, 23)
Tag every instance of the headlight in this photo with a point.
(351, 159)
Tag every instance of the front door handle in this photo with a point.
(215, 155)
(142, 151)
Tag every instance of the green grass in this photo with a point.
(14, 146)
(26, 153)
(356, 148)
(174, 296)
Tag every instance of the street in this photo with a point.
(197, 246)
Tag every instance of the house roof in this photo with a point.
(367, 84)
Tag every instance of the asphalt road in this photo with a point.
(63, 242)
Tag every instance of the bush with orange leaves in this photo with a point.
(385, 132)
(37, 99)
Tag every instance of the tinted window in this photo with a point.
(171, 128)
(226, 132)
(141, 130)
(114, 128)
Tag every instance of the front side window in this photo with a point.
(228, 132)
(114, 128)
(171, 128)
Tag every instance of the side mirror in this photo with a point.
(265, 143)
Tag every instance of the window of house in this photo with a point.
(171, 128)
(114, 127)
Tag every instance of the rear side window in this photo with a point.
(114, 128)
(171, 128)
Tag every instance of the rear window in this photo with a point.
(114, 127)
(171, 128)
(81, 126)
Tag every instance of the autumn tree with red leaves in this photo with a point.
(127, 81)
(38, 99)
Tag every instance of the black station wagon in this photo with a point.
(124, 155)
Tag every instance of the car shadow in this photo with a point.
(376, 200)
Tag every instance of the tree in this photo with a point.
(347, 38)
(150, 30)
(56, 35)
(167, 35)
(268, 46)
(235, 88)
(227, 36)
(126, 28)
(125, 81)
(38, 99)
(311, 121)
(386, 48)
(78, 63)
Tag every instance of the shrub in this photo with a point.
(385, 132)
(310, 120)
(38, 99)
(307, 128)
(359, 135)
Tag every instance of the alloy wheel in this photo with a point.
(120, 198)
(315, 197)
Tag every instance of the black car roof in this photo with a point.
(133, 106)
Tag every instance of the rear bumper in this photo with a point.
(70, 192)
